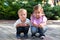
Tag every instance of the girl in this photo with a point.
(38, 21)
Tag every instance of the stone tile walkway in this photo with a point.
(7, 31)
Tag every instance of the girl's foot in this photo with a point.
(42, 37)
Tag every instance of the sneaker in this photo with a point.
(37, 35)
(33, 37)
(26, 36)
(18, 37)
(42, 37)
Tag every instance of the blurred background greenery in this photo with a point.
(9, 8)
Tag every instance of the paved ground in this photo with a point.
(7, 31)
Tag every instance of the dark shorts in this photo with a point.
(22, 29)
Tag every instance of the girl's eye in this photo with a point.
(24, 14)
(38, 12)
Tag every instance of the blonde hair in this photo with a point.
(20, 10)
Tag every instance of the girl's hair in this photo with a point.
(38, 7)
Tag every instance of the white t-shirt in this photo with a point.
(19, 21)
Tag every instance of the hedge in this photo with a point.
(9, 12)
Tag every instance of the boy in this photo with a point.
(22, 24)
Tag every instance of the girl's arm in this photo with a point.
(44, 23)
(34, 24)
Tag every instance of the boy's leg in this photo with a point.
(19, 29)
(33, 30)
(26, 31)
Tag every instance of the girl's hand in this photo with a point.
(34, 24)
(40, 26)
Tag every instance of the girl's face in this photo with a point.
(37, 13)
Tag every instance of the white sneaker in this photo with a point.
(42, 37)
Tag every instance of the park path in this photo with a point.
(7, 31)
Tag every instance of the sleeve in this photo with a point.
(17, 22)
(32, 19)
(28, 22)
(44, 19)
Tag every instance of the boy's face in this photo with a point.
(22, 15)
(37, 13)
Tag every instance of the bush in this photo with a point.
(52, 13)
(9, 11)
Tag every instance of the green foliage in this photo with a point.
(9, 8)
(52, 12)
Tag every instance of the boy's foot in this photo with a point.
(26, 36)
(33, 36)
(18, 37)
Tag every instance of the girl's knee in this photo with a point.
(33, 29)
(45, 29)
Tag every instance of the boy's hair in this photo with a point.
(20, 10)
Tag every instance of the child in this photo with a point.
(38, 21)
(22, 24)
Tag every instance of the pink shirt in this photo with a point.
(38, 21)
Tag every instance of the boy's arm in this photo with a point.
(19, 25)
(22, 25)
(16, 24)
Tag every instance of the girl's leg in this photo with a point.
(45, 28)
(33, 30)
(40, 31)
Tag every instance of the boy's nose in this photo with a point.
(23, 16)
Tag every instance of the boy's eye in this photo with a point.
(22, 14)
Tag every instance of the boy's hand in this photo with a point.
(25, 25)
(19, 25)
(22, 24)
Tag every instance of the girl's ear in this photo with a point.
(43, 14)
